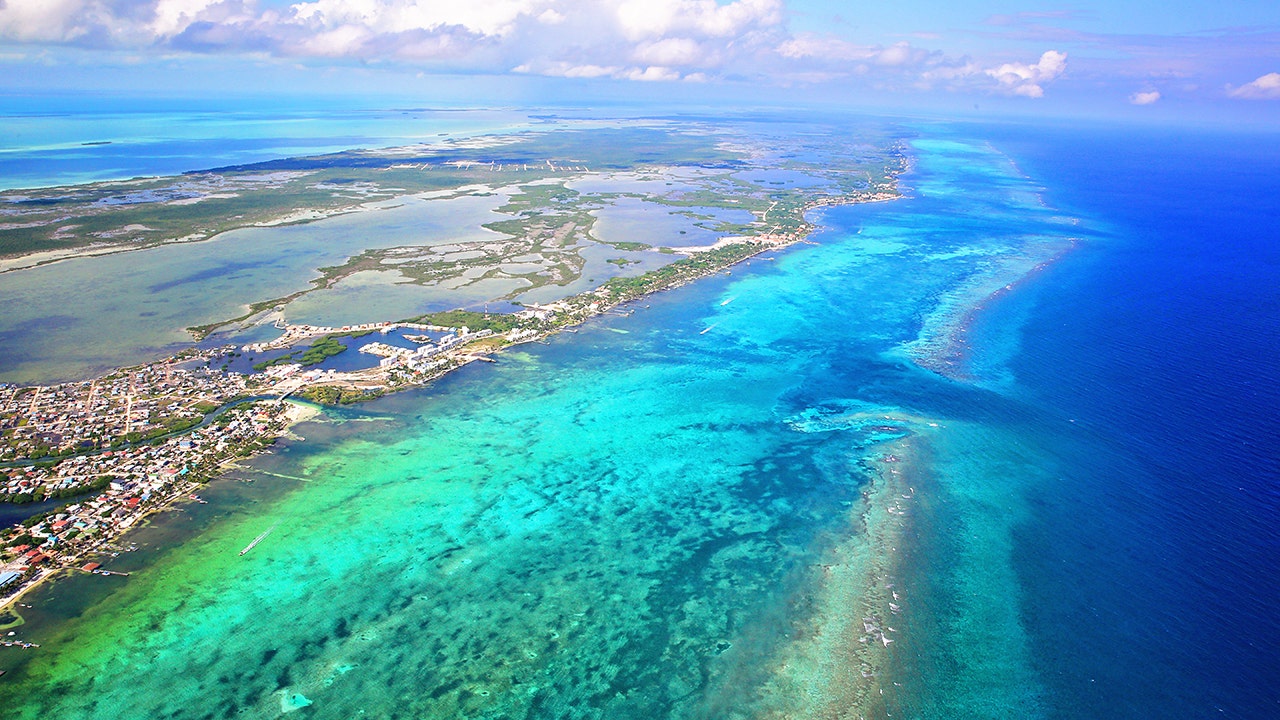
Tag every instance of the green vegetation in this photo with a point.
(140, 213)
(325, 347)
(632, 246)
(473, 321)
(321, 350)
(170, 426)
(621, 288)
(332, 395)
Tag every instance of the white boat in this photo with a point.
(257, 540)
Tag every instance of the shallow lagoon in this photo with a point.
(80, 317)
(373, 296)
(628, 219)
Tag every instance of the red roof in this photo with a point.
(132, 502)
(90, 567)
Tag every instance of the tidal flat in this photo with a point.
(447, 224)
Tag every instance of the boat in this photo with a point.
(257, 540)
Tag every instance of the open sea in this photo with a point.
(1006, 448)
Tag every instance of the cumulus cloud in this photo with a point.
(51, 20)
(671, 51)
(1144, 98)
(637, 39)
(807, 45)
(832, 50)
(903, 65)
(641, 19)
(1029, 80)
(173, 16)
(642, 40)
(1266, 87)
(900, 54)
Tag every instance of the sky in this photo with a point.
(1109, 58)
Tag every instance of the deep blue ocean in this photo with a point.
(1152, 568)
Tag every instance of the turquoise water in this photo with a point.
(724, 505)
(642, 519)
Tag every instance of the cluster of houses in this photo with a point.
(420, 358)
(128, 481)
(49, 421)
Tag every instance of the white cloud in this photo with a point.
(341, 41)
(644, 40)
(653, 73)
(49, 20)
(589, 71)
(637, 39)
(1029, 80)
(899, 53)
(649, 73)
(950, 72)
(807, 45)
(1266, 87)
(568, 70)
(1145, 98)
(640, 19)
(173, 16)
(670, 51)
(551, 17)
(484, 17)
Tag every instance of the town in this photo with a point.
(118, 447)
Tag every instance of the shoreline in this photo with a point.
(604, 299)
(855, 640)
(295, 413)
(591, 303)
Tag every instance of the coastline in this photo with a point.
(592, 303)
(294, 413)
(857, 663)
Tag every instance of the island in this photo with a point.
(585, 222)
